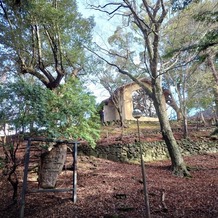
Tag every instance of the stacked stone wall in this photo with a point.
(151, 150)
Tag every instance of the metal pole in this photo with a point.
(74, 172)
(24, 187)
(147, 206)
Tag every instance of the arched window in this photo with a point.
(144, 103)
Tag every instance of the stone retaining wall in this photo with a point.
(151, 150)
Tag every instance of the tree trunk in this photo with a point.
(184, 120)
(12, 178)
(211, 61)
(203, 120)
(172, 103)
(185, 127)
(216, 101)
(178, 164)
(178, 114)
(120, 116)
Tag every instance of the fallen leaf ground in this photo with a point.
(107, 189)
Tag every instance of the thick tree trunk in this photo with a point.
(178, 164)
(120, 116)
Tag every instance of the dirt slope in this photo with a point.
(110, 189)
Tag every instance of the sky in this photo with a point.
(102, 30)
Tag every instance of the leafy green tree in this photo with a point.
(200, 90)
(196, 52)
(44, 39)
(209, 43)
(69, 112)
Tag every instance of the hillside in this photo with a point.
(150, 131)
(107, 189)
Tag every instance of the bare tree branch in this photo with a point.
(100, 8)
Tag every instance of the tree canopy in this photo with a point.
(44, 39)
(69, 112)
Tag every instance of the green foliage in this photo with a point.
(43, 38)
(210, 39)
(200, 91)
(68, 112)
(192, 75)
(126, 50)
(208, 16)
(199, 21)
